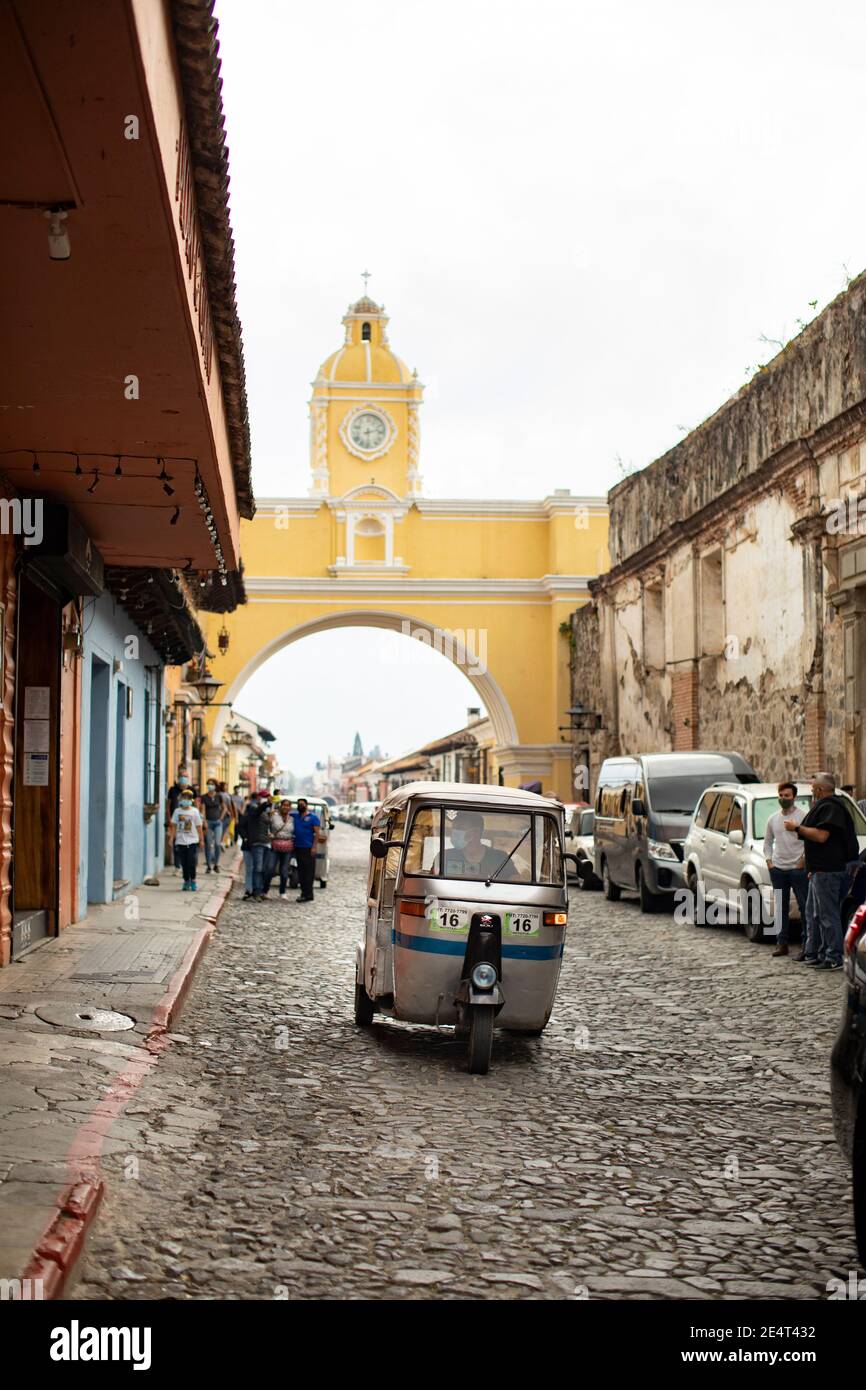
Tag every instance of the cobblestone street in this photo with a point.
(669, 1136)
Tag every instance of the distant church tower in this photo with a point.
(365, 439)
(357, 749)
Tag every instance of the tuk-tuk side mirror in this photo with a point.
(637, 807)
(379, 848)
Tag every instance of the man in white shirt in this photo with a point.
(783, 852)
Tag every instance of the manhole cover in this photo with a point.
(85, 1017)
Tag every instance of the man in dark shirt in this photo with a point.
(824, 832)
(255, 831)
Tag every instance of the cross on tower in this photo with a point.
(365, 276)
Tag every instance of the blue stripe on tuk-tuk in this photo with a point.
(458, 948)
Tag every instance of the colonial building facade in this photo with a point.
(734, 612)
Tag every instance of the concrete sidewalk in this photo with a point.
(64, 1085)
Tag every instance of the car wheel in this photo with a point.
(858, 1179)
(612, 891)
(751, 911)
(649, 901)
(694, 887)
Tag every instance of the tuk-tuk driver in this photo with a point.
(468, 856)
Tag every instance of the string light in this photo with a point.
(162, 477)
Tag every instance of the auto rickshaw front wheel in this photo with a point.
(480, 1039)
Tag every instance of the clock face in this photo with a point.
(368, 431)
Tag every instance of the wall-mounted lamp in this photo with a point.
(59, 248)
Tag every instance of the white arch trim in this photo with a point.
(487, 686)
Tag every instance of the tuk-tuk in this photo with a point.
(467, 909)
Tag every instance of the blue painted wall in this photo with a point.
(115, 843)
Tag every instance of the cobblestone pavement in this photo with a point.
(669, 1136)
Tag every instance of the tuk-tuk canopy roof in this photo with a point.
(473, 793)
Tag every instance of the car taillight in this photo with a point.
(855, 930)
(555, 919)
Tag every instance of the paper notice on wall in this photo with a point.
(36, 769)
(37, 702)
(37, 733)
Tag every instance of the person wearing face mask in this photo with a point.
(180, 784)
(187, 835)
(783, 852)
(213, 806)
(468, 856)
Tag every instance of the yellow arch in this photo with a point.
(484, 683)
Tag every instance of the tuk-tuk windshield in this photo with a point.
(504, 846)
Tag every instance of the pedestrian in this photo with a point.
(255, 838)
(180, 784)
(830, 843)
(187, 835)
(786, 862)
(238, 804)
(228, 813)
(281, 847)
(306, 835)
(213, 808)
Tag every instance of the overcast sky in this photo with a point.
(581, 219)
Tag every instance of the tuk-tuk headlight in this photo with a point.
(484, 975)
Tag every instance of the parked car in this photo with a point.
(366, 812)
(724, 848)
(352, 813)
(847, 1072)
(581, 841)
(643, 807)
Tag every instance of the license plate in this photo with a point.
(521, 923)
(446, 917)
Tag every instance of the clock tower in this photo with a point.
(364, 414)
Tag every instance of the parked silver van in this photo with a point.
(643, 807)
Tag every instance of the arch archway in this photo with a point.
(486, 685)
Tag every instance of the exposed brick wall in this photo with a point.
(815, 743)
(686, 708)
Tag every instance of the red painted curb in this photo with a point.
(63, 1239)
(178, 985)
(62, 1242)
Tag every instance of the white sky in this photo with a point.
(581, 219)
